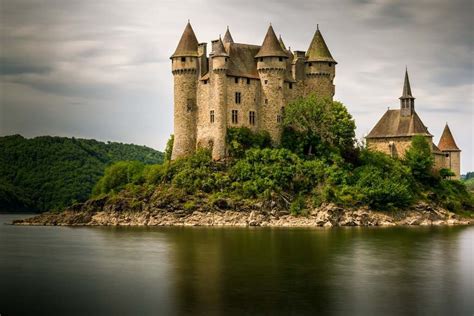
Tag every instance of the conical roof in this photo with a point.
(406, 94)
(446, 142)
(282, 44)
(227, 37)
(271, 46)
(318, 50)
(188, 44)
(219, 49)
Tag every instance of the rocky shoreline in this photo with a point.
(327, 215)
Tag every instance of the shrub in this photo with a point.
(419, 159)
(298, 205)
(118, 175)
(240, 139)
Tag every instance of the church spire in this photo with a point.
(227, 37)
(407, 101)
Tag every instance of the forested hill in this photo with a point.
(46, 173)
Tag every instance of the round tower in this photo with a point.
(271, 66)
(451, 151)
(320, 68)
(185, 72)
(219, 64)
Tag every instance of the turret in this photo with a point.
(218, 105)
(271, 66)
(407, 101)
(227, 37)
(320, 68)
(185, 67)
(451, 151)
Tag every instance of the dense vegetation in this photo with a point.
(46, 173)
(317, 162)
(469, 181)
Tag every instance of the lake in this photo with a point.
(235, 271)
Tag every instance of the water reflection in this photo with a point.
(161, 271)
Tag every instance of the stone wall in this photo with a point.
(392, 146)
(319, 78)
(453, 161)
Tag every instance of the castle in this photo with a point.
(393, 133)
(244, 85)
(241, 85)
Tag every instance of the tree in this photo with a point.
(419, 158)
(169, 148)
(316, 124)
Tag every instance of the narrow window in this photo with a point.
(237, 97)
(205, 81)
(236, 79)
(330, 64)
(235, 118)
(278, 118)
(310, 64)
(266, 101)
(183, 58)
(261, 59)
(248, 80)
(280, 59)
(211, 118)
(252, 117)
(266, 81)
(190, 105)
(291, 85)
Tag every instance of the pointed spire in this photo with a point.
(318, 50)
(227, 37)
(271, 46)
(218, 48)
(406, 86)
(281, 43)
(188, 44)
(446, 142)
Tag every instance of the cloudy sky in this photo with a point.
(101, 69)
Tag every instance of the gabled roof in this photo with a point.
(318, 50)
(271, 47)
(446, 142)
(227, 37)
(392, 124)
(188, 44)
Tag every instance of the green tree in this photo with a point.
(420, 159)
(315, 125)
(118, 175)
(169, 148)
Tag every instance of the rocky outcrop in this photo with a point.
(327, 215)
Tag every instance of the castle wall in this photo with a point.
(453, 161)
(439, 161)
(319, 78)
(185, 108)
(249, 101)
(395, 147)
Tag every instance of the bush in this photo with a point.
(419, 159)
(240, 139)
(298, 205)
(118, 175)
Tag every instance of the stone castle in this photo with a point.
(244, 85)
(241, 85)
(394, 131)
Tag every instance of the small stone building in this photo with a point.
(241, 85)
(394, 131)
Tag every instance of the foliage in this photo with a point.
(169, 148)
(445, 173)
(46, 173)
(240, 139)
(118, 175)
(453, 195)
(419, 159)
(316, 125)
(298, 205)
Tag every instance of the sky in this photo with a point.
(101, 69)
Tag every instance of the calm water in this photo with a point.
(203, 271)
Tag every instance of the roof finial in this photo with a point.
(189, 21)
(317, 27)
(227, 27)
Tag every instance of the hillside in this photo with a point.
(49, 173)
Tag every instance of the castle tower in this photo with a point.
(451, 151)
(271, 67)
(407, 101)
(227, 37)
(320, 68)
(218, 108)
(185, 72)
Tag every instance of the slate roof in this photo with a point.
(446, 142)
(271, 47)
(392, 124)
(242, 60)
(188, 44)
(227, 37)
(318, 50)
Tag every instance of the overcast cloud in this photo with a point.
(101, 69)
